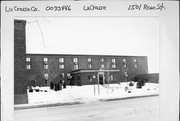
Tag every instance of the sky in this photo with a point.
(96, 36)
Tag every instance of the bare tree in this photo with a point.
(48, 70)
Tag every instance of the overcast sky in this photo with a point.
(95, 35)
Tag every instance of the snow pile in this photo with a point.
(89, 93)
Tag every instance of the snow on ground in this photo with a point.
(89, 93)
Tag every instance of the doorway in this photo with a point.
(101, 77)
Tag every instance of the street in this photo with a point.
(138, 109)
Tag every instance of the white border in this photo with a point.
(169, 48)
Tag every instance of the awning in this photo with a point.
(92, 70)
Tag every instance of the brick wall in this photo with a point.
(37, 70)
(19, 57)
(20, 83)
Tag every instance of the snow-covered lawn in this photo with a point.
(88, 93)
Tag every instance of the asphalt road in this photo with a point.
(139, 109)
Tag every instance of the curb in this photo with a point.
(27, 106)
(124, 98)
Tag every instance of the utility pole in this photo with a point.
(98, 86)
(94, 84)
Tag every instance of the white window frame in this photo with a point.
(28, 59)
(135, 65)
(111, 77)
(126, 74)
(45, 59)
(113, 65)
(62, 75)
(61, 60)
(45, 66)
(102, 60)
(124, 60)
(76, 66)
(75, 60)
(28, 66)
(102, 65)
(68, 75)
(61, 66)
(46, 75)
(89, 66)
(113, 60)
(89, 59)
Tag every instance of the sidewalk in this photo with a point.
(44, 105)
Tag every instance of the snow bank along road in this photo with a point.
(87, 93)
(137, 109)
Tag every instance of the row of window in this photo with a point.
(45, 66)
(28, 59)
(75, 60)
(46, 75)
(61, 66)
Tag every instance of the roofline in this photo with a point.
(93, 70)
(34, 54)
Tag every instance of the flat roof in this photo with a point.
(33, 54)
(93, 70)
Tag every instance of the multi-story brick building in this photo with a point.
(80, 69)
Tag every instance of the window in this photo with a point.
(89, 59)
(61, 60)
(45, 59)
(135, 65)
(75, 60)
(102, 59)
(125, 74)
(46, 81)
(28, 59)
(89, 66)
(125, 66)
(113, 65)
(135, 60)
(113, 60)
(102, 65)
(75, 66)
(124, 60)
(28, 66)
(45, 66)
(111, 77)
(68, 75)
(62, 75)
(61, 66)
(46, 75)
(89, 78)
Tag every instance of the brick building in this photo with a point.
(43, 69)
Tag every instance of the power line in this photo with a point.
(43, 40)
(37, 21)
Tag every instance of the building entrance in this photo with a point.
(101, 77)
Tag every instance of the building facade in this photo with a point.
(83, 69)
(43, 69)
